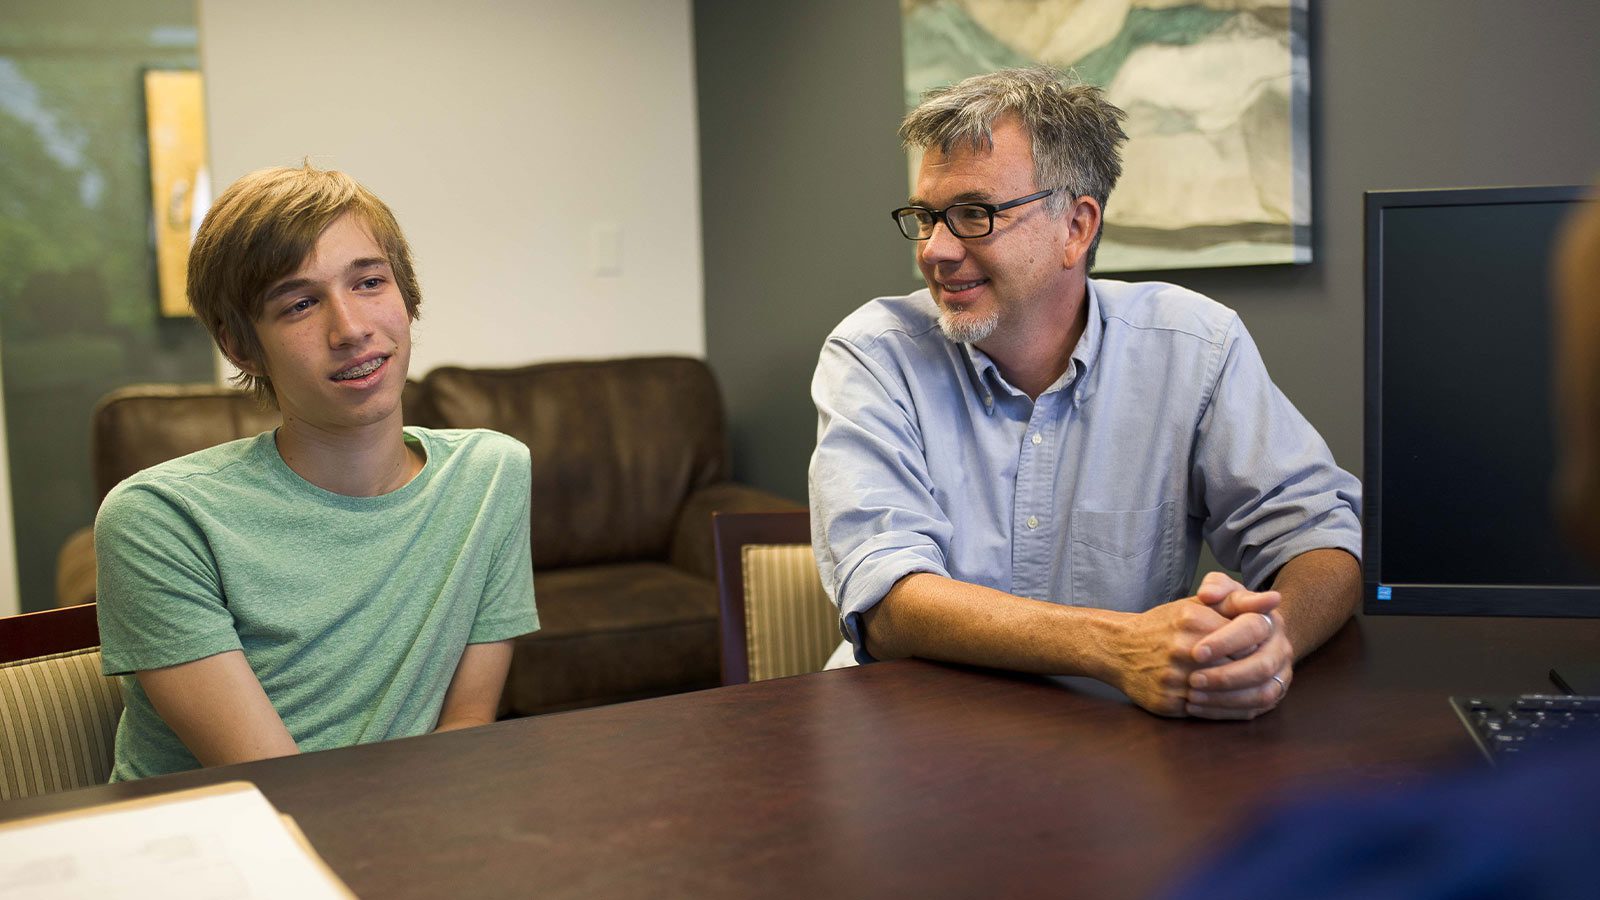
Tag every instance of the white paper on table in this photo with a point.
(217, 842)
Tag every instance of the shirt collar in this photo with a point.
(1088, 349)
(987, 380)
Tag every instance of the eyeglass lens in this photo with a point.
(963, 219)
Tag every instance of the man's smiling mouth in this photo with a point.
(361, 370)
(956, 287)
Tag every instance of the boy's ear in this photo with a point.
(235, 355)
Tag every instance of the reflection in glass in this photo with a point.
(78, 303)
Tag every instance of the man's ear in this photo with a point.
(235, 354)
(1083, 224)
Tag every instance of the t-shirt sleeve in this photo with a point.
(159, 593)
(1269, 487)
(507, 608)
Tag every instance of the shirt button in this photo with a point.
(1033, 521)
(1037, 439)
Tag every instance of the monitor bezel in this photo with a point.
(1565, 601)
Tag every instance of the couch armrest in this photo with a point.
(691, 534)
(75, 569)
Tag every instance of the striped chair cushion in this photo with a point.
(790, 624)
(58, 722)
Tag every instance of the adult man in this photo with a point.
(341, 579)
(1016, 466)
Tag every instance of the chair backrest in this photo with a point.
(58, 714)
(776, 620)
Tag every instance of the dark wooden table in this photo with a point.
(898, 779)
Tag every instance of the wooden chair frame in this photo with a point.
(48, 631)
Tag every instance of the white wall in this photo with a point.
(540, 155)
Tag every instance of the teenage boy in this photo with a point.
(339, 580)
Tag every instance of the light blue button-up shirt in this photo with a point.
(1165, 429)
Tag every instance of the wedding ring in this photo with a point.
(1282, 688)
(1270, 627)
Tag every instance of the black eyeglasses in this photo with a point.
(965, 220)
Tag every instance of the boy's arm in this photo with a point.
(506, 609)
(216, 706)
(474, 693)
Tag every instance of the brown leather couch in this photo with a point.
(630, 458)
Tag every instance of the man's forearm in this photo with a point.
(939, 618)
(1321, 590)
(1148, 655)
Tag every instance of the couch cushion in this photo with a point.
(614, 632)
(617, 447)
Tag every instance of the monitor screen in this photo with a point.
(1460, 443)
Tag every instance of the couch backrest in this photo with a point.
(617, 446)
(141, 425)
(138, 426)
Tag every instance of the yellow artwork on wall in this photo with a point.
(180, 190)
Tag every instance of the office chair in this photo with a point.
(775, 618)
(58, 714)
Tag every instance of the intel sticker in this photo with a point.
(1385, 592)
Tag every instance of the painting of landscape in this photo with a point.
(1217, 169)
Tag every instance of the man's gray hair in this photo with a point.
(1077, 133)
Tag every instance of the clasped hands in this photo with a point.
(1220, 654)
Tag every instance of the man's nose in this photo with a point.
(941, 245)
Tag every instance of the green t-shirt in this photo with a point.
(353, 611)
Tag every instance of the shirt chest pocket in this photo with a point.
(1120, 558)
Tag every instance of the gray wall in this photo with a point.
(799, 164)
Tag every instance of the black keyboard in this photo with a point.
(1508, 729)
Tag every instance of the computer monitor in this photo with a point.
(1460, 444)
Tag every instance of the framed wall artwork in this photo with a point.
(1217, 168)
(180, 191)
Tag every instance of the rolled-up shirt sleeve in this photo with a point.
(874, 517)
(1263, 481)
